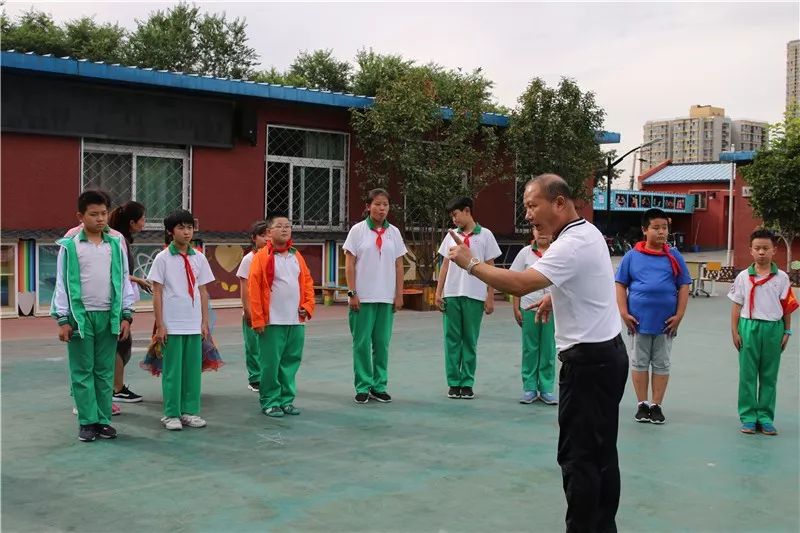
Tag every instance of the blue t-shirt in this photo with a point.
(652, 288)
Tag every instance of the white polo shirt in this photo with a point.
(457, 282)
(767, 304)
(182, 316)
(244, 267)
(583, 291)
(375, 271)
(284, 302)
(525, 259)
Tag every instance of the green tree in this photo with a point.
(774, 177)
(553, 130)
(180, 38)
(321, 70)
(412, 149)
(378, 70)
(35, 31)
(273, 75)
(97, 42)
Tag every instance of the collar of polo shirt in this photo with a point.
(476, 230)
(371, 224)
(174, 250)
(773, 269)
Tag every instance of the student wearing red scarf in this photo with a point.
(538, 338)
(180, 301)
(652, 293)
(761, 322)
(281, 301)
(374, 251)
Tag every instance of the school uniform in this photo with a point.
(252, 356)
(538, 338)
(764, 300)
(181, 275)
(376, 250)
(280, 284)
(93, 294)
(464, 296)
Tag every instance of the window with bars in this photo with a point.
(158, 177)
(306, 176)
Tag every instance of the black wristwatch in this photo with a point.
(350, 294)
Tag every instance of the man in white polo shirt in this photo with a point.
(594, 360)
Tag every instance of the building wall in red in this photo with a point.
(40, 181)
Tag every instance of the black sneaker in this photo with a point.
(87, 433)
(362, 397)
(454, 393)
(125, 395)
(254, 386)
(656, 416)
(642, 413)
(380, 396)
(104, 431)
(466, 393)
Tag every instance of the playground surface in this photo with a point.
(422, 463)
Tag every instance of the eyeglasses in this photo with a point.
(282, 226)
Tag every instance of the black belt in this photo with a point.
(587, 353)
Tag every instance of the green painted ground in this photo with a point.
(422, 463)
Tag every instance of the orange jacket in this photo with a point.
(260, 291)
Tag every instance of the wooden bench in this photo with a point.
(414, 299)
(329, 292)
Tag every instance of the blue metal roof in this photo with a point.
(692, 173)
(83, 68)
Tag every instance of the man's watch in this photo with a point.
(350, 294)
(473, 262)
(787, 332)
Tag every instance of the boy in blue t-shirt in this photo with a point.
(652, 292)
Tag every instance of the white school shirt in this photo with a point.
(525, 259)
(182, 316)
(244, 267)
(284, 302)
(457, 282)
(768, 296)
(95, 265)
(583, 291)
(376, 280)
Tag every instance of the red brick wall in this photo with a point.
(40, 181)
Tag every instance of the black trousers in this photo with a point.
(591, 384)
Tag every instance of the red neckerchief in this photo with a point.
(465, 237)
(269, 268)
(676, 268)
(189, 275)
(534, 249)
(753, 284)
(379, 240)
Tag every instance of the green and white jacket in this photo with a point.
(67, 305)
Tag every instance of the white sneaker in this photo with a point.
(193, 421)
(75, 411)
(172, 423)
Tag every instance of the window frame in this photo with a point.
(142, 150)
(331, 164)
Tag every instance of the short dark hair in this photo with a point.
(763, 233)
(651, 214)
(374, 193)
(92, 197)
(259, 227)
(460, 203)
(278, 214)
(179, 216)
(553, 186)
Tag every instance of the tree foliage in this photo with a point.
(553, 130)
(425, 158)
(179, 38)
(774, 177)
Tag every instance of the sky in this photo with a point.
(643, 60)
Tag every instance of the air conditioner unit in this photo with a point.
(747, 192)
